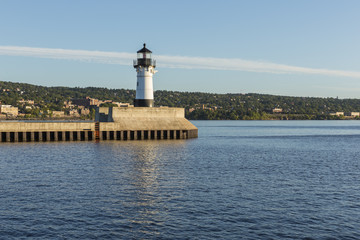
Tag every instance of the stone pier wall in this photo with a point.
(115, 124)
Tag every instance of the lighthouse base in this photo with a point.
(143, 123)
(144, 102)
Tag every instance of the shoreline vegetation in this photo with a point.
(270, 117)
(40, 103)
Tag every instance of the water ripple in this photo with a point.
(234, 182)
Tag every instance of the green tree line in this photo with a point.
(198, 105)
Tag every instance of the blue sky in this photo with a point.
(294, 48)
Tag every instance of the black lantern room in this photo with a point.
(144, 58)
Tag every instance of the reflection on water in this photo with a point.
(144, 175)
(256, 180)
(146, 180)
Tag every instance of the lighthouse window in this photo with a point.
(137, 83)
(143, 55)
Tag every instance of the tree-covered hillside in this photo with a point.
(198, 105)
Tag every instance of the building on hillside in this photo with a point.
(337, 114)
(277, 110)
(352, 114)
(9, 110)
(23, 102)
(83, 110)
(68, 104)
(58, 114)
(86, 102)
(119, 104)
(74, 113)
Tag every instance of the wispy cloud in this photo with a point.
(76, 55)
(123, 58)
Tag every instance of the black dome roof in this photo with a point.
(144, 50)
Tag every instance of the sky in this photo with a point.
(295, 48)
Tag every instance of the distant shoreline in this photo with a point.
(89, 120)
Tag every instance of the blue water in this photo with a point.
(238, 180)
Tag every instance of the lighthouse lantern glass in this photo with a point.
(144, 55)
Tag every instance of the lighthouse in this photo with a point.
(145, 68)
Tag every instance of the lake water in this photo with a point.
(238, 180)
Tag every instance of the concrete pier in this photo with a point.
(119, 124)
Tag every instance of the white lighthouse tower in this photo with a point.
(145, 68)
